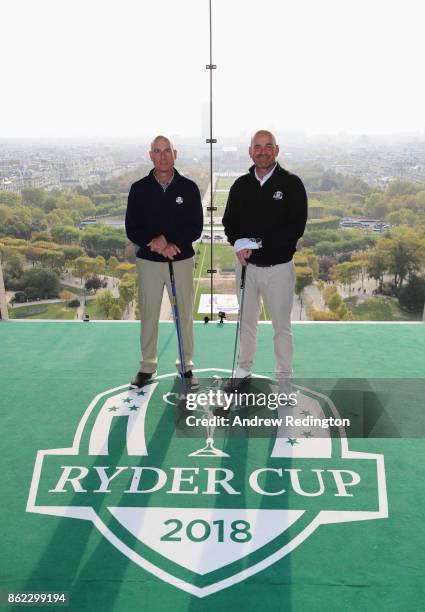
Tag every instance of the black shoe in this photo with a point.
(190, 380)
(220, 411)
(142, 378)
(234, 384)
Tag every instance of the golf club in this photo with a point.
(238, 322)
(176, 317)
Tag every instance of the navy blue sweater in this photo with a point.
(275, 212)
(176, 213)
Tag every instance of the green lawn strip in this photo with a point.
(225, 182)
(379, 309)
(72, 289)
(224, 257)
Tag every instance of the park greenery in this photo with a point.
(42, 238)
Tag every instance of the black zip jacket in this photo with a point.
(276, 213)
(175, 212)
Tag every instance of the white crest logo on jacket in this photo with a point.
(278, 195)
(179, 200)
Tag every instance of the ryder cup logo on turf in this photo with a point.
(278, 195)
(188, 509)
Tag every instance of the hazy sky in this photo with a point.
(88, 68)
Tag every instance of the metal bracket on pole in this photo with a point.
(211, 66)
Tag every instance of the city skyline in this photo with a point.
(102, 70)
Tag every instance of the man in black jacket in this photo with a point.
(163, 219)
(269, 205)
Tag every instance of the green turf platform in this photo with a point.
(49, 374)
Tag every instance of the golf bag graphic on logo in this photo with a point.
(203, 513)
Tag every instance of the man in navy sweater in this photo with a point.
(163, 219)
(268, 205)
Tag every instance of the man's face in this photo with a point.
(163, 155)
(264, 150)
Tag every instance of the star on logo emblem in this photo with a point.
(292, 441)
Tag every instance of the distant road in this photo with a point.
(112, 221)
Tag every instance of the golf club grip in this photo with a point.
(243, 275)
(171, 269)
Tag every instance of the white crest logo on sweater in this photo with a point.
(278, 195)
(179, 200)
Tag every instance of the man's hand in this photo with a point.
(170, 251)
(158, 244)
(243, 255)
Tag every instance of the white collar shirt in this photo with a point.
(265, 177)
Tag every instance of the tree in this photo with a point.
(375, 205)
(80, 204)
(10, 198)
(100, 265)
(80, 268)
(404, 216)
(5, 214)
(360, 258)
(71, 252)
(304, 278)
(115, 312)
(83, 266)
(377, 265)
(65, 234)
(325, 264)
(13, 262)
(334, 302)
(43, 236)
(50, 203)
(66, 295)
(343, 312)
(103, 240)
(33, 253)
(127, 291)
(412, 295)
(404, 253)
(104, 301)
(346, 273)
(53, 259)
(33, 197)
(396, 188)
(112, 263)
(124, 268)
(40, 283)
(93, 283)
(311, 259)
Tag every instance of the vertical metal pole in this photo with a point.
(211, 141)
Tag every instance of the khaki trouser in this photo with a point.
(276, 286)
(152, 276)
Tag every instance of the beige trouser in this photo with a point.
(276, 286)
(152, 276)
